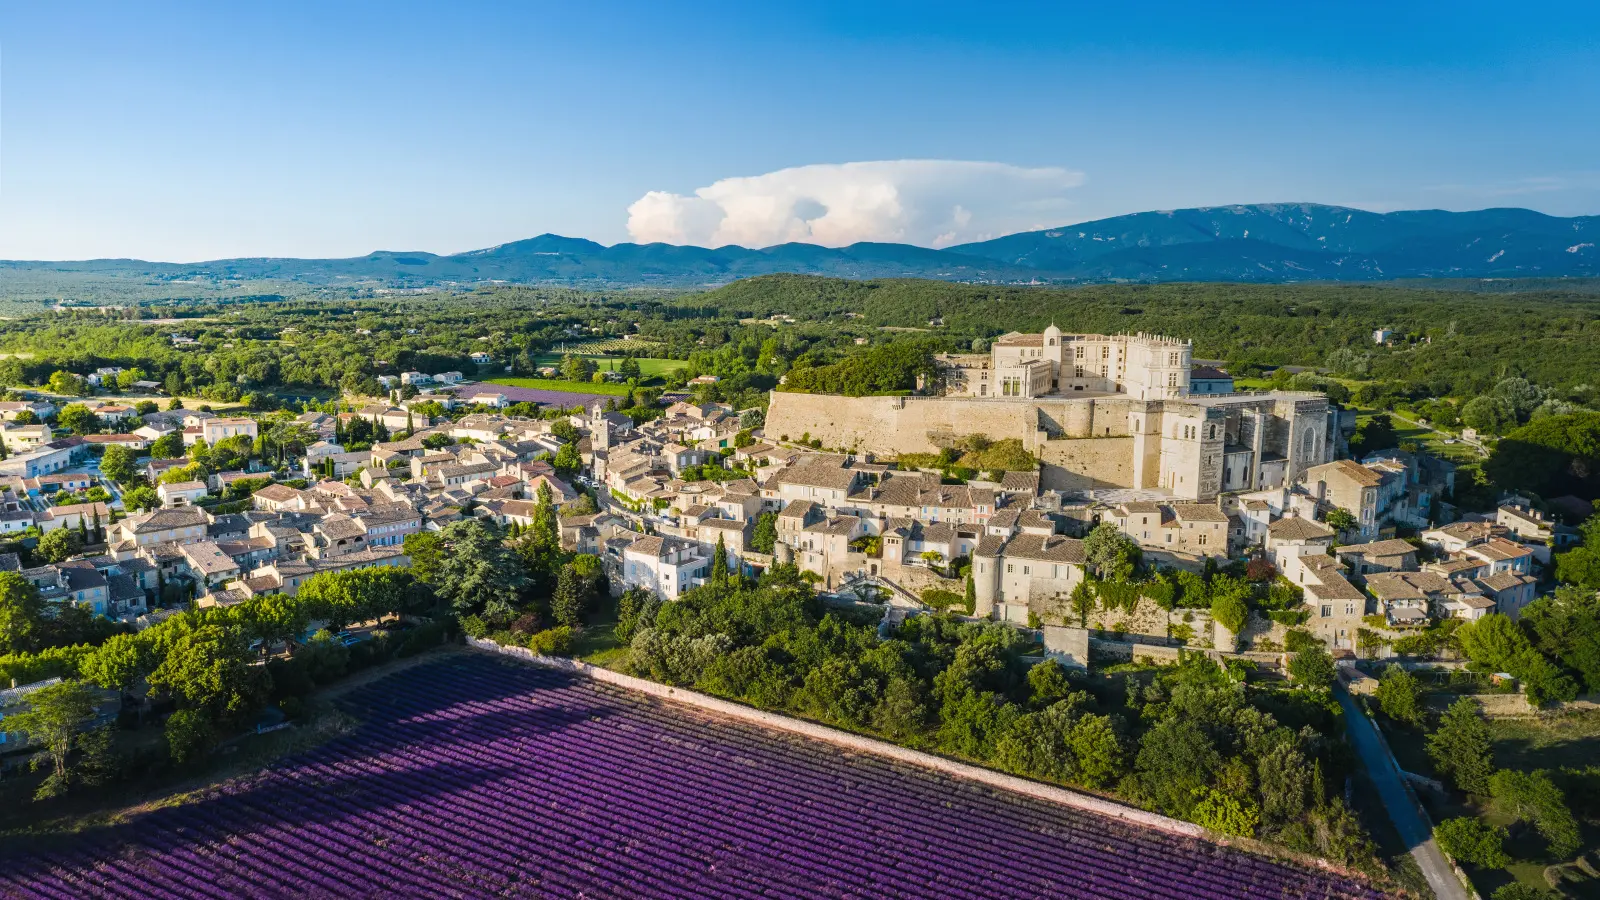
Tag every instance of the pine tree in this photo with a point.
(96, 529)
(568, 601)
(83, 530)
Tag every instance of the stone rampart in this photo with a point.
(1085, 464)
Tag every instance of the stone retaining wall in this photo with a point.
(858, 743)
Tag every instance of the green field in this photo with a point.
(649, 367)
(555, 384)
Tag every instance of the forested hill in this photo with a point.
(1552, 337)
(1267, 243)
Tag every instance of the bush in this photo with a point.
(1312, 667)
(1471, 840)
(552, 641)
(474, 626)
(423, 638)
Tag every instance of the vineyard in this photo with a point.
(472, 776)
(614, 346)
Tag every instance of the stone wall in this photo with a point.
(1074, 799)
(1086, 464)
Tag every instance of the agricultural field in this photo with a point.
(616, 346)
(474, 776)
(557, 385)
(649, 367)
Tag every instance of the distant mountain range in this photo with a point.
(1273, 242)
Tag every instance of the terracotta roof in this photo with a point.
(1395, 547)
(1046, 548)
(1298, 528)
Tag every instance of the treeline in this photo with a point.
(1460, 341)
(1195, 740)
(201, 664)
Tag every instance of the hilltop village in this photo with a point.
(1083, 433)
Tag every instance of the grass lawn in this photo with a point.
(649, 367)
(597, 643)
(1547, 741)
(555, 384)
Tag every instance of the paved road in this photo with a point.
(1397, 798)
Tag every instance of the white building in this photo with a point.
(666, 565)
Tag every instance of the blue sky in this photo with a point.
(183, 132)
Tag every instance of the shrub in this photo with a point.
(552, 641)
(474, 626)
(1471, 840)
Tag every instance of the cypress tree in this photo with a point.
(719, 563)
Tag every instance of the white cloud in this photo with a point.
(932, 202)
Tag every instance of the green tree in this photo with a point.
(1400, 696)
(1533, 797)
(1312, 667)
(1113, 555)
(59, 545)
(119, 464)
(143, 497)
(118, 663)
(79, 418)
(475, 572)
(1489, 415)
(1498, 643)
(168, 446)
(1230, 607)
(1225, 814)
(719, 563)
(54, 716)
(1460, 747)
(190, 734)
(68, 384)
(572, 597)
(21, 614)
(1082, 602)
(208, 667)
(1341, 520)
(764, 537)
(567, 461)
(1471, 840)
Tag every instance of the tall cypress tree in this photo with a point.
(719, 563)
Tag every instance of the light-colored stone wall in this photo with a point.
(1087, 464)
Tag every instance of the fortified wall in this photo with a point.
(894, 425)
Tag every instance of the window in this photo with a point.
(1078, 353)
(1202, 540)
(1009, 568)
(1026, 571)
(1327, 610)
(1105, 352)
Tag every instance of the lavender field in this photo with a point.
(473, 776)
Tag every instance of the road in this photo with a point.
(1404, 811)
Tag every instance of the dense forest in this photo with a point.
(1460, 342)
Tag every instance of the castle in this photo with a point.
(1102, 412)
